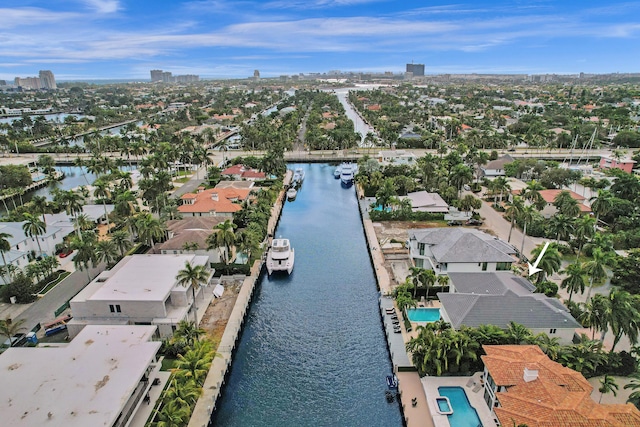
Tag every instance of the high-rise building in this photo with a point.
(28, 82)
(47, 80)
(256, 75)
(416, 69)
(156, 75)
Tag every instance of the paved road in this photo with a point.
(494, 221)
(43, 310)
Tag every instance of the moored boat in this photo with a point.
(280, 256)
(291, 194)
(298, 177)
(348, 173)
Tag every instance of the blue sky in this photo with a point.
(124, 39)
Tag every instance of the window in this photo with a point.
(503, 266)
(115, 308)
(112, 308)
(484, 266)
(552, 331)
(421, 248)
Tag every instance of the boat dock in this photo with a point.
(409, 384)
(214, 382)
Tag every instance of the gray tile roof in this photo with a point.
(497, 299)
(463, 245)
(497, 283)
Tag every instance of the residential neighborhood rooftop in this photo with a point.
(148, 277)
(543, 393)
(85, 383)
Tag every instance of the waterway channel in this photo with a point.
(313, 352)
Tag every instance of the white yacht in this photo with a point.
(298, 176)
(280, 256)
(348, 172)
(292, 193)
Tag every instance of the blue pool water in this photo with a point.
(379, 208)
(313, 352)
(423, 314)
(464, 415)
(443, 405)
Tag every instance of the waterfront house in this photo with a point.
(240, 172)
(522, 386)
(189, 236)
(396, 157)
(498, 298)
(423, 201)
(445, 250)
(139, 290)
(24, 248)
(98, 379)
(213, 202)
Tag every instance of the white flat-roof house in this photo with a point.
(99, 379)
(139, 290)
(396, 157)
(463, 250)
(423, 201)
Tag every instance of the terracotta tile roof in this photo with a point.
(242, 171)
(205, 203)
(558, 396)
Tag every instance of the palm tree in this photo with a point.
(106, 251)
(148, 228)
(193, 276)
(634, 384)
(34, 227)
(562, 226)
(173, 416)
(184, 394)
(421, 277)
(72, 203)
(41, 205)
(596, 314)
(443, 280)
(549, 263)
(528, 214)
(566, 204)
(223, 239)
(514, 210)
(584, 227)
(121, 239)
(460, 174)
(85, 256)
(188, 332)
(575, 280)
(532, 194)
(5, 246)
(595, 268)
(519, 334)
(623, 316)
(102, 192)
(602, 204)
(9, 328)
(550, 346)
(194, 364)
(607, 385)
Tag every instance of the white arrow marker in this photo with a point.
(533, 269)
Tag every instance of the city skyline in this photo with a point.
(117, 39)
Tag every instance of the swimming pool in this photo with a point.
(464, 415)
(423, 314)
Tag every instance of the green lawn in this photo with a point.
(182, 180)
(60, 278)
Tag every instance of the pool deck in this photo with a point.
(474, 394)
(410, 386)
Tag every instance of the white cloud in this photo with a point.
(103, 6)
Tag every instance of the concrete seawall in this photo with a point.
(224, 354)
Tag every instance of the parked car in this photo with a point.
(473, 221)
(65, 253)
(454, 223)
(18, 340)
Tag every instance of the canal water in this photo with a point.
(313, 352)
